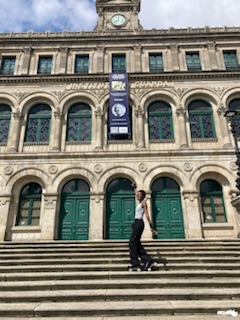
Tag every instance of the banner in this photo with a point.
(119, 105)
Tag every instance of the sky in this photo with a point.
(78, 15)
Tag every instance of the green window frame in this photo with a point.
(235, 105)
(38, 124)
(82, 64)
(45, 65)
(230, 60)
(160, 124)
(79, 123)
(193, 61)
(155, 62)
(118, 63)
(212, 202)
(29, 205)
(201, 120)
(5, 119)
(8, 65)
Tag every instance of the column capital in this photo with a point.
(181, 111)
(99, 112)
(17, 114)
(139, 112)
(58, 113)
(221, 110)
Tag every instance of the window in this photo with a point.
(8, 65)
(45, 65)
(155, 62)
(160, 123)
(81, 64)
(193, 61)
(201, 120)
(212, 202)
(118, 63)
(230, 60)
(29, 205)
(235, 105)
(79, 123)
(5, 118)
(38, 124)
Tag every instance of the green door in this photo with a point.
(120, 209)
(167, 209)
(74, 213)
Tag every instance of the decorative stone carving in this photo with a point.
(233, 166)
(99, 112)
(53, 169)
(21, 95)
(219, 90)
(8, 170)
(188, 167)
(60, 94)
(221, 110)
(98, 168)
(142, 167)
(139, 111)
(181, 111)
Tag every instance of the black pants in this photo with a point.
(135, 246)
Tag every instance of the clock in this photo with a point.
(118, 20)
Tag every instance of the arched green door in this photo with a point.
(74, 212)
(120, 205)
(167, 209)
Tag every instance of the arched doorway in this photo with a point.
(120, 208)
(167, 209)
(74, 211)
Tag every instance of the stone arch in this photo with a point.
(230, 94)
(69, 174)
(38, 98)
(166, 171)
(10, 100)
(163, 95)
(117, 172)
(72, 98)
(199, 94)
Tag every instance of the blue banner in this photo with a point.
(119, 104)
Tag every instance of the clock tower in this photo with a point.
(118, 15)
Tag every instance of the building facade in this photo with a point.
(64, 176)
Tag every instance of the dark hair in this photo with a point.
(142, 192)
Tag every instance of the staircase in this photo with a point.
(89, 280)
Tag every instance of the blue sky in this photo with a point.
(76, 15)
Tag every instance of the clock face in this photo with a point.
(118, 20)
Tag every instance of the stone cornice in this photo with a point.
(166, 76)
(179, 35)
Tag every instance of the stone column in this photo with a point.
(14, 132)
(192, 217)
(212, 55)
(48, 217)
(96, 217)
(63, 60)
(181, 114)
(224, 126)
(26, 60)
(139, 112)
(58, 130)
(175, 54)
(4, 210)
(99, 127)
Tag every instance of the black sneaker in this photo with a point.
(134, 268)
(148, 266)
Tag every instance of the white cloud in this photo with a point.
(75, 15)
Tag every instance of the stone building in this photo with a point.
(64, 175)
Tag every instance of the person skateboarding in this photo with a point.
(135, 247)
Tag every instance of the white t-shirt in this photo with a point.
(139, 212)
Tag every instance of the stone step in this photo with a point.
(116, 267)
(116, 308)
(81, 275)
(151, 294)
(172, 262)
(125, 283)
(158, 317)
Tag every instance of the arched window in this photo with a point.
(235, 105)
(79, 123)
(38, 124)
(212, 202)
(201, 120)
(5, 118)
(29, 205)
(160, 121)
